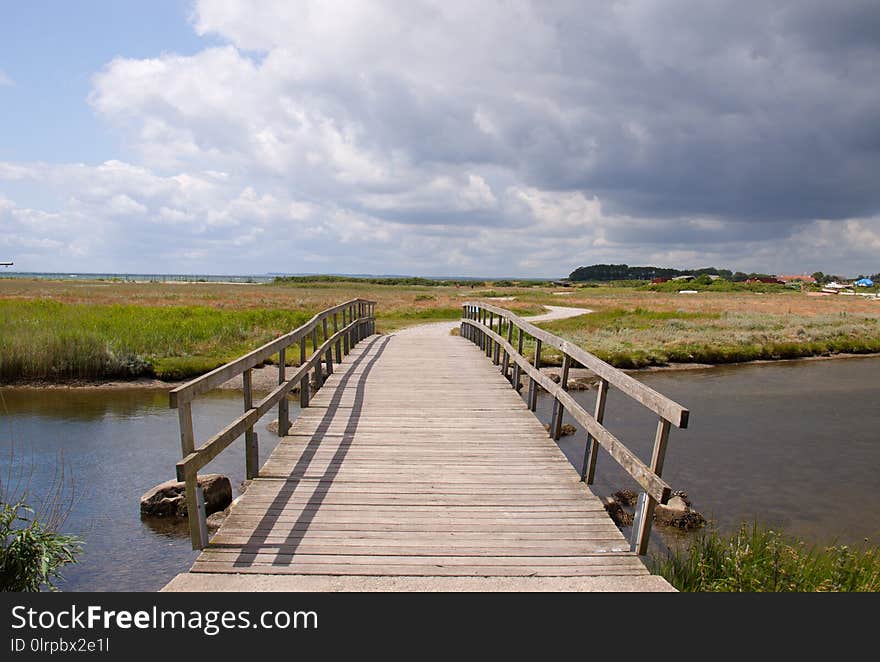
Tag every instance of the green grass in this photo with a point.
(639, 338)
(50, 341)
(758, 559)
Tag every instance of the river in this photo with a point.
(792, 444)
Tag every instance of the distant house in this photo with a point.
(683, 279)
(657, 281)
(770, 281)
(797, 278)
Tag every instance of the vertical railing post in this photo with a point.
(251, 447)
(319, 371)
(195, 500)
(591, 451)
(187, 438)
(533, 385)
(195, 512)
(516, 367)
(506, 366)
(338, 341)
(496, 359)
(489, 341)
(328, 356)
(345, 347)
(304, 382)
(647, 503)
(558, 409)
(283, 403)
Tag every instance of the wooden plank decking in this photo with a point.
(418, 460)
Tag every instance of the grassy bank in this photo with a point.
(57, 331)
(50, 341)
(639, 337)
(757, 559)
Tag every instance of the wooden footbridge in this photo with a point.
(414, 464)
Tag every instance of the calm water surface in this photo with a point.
(792, 444)
(116, 445)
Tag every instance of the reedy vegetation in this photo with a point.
(759, 559)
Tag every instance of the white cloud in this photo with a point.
(447, 136)
(5, 80)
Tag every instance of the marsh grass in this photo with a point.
(51, 341)
(759, 559)
(44, 340)
(637, 338)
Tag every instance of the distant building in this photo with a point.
(769, 281)
(802, 278)
(657, 281)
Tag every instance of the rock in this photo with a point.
(625, 497)
(620, 516)
(567, 429)
(682, 495)
(273, 427)
(168, 499)
(678, 513)
(216, 519)
(554, 378)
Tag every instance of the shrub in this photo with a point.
(32, 552)
(758, 559)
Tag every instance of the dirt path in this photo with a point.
(443, 328)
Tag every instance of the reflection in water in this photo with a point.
(791, 444)
(117, 444)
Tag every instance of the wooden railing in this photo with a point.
(358, 320)
(492, 328)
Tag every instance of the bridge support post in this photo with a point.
(319, 371)
(533, 385)
(283, 405)
(591, 451)
(304, 382)
(505, 365)
(195, 512)
(558, 409)
(516, 367)
(338, 341)
(647, 503)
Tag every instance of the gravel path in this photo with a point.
(443, 328)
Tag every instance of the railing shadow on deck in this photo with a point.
(358, 321)
(492, 329)
(322, 482)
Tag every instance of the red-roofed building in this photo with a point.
(803, 278)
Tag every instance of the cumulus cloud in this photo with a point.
(446, 137)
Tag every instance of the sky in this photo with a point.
(511, 138)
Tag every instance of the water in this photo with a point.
(792, 444)
(138, 278)
(117, 445)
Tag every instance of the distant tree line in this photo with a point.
(606, 272)
(623, 272)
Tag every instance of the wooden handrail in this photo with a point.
(224, 373)
(477, 325)
(359, 321)
(656, 402)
